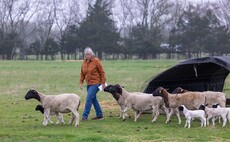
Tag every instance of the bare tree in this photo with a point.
(15, 15)
(223, 11)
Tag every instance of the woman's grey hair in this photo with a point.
(88, 50)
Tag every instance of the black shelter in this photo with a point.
(199, 74)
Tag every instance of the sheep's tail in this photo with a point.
(78, 105)
(205, 100)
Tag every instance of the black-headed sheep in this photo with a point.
(58, 115)
(120, 100)
(140, 102)
(215, 112)
(63, 103)
(191, 114)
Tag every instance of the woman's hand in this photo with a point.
(80, 85)
(103, 86)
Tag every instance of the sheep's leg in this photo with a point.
(156, 110)
(186, 122)
(213, 121)
(171, 113)
(204, 120)
(61, 118)
(178, 115)
(50, 121)
(224, 120)
(208, 120)
(228, 116)
(125, 111)
(167, 113)
(219, 119)
(137, 115)
(46, 117)
(58, 118)
(121, 112)
(201, 121)
(77, 117)
(72, 119)
(189, 123)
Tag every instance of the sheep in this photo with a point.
(120, 100)
(228, 109)
(63, 103)
(58, 115)
(214, 112)
(140, 102)
(190, 114)
(212, 97)
(190, 100)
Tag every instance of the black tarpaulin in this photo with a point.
(199, 74)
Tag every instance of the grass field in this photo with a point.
(19, 122)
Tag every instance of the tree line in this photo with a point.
(121, 29)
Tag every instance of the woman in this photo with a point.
(93, 73)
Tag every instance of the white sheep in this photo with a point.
(63, 103)
(58, 115)
(191, 114)
(227, 108)
(120, 100)
(140, 102)
(215, 112)
(190, 100)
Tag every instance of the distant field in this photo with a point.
(19, 122)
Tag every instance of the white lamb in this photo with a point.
(63, 103)
(191, 114)
(227, 108)
(58, 115)
(140, 102)
(213, 113)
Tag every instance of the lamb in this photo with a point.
(63, 103)
(191, 114)
(120, 100)
(140, 102)
(214, 112)
(58, 115)
(212, 97)
(228, 109)
(191, 100)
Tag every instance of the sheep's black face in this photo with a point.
(181, 108)
(157, 92)
(32, 94)
(215, 105)
(107, 88)
(202, 107)
(116, 89)
(177, 90)
(40, 108)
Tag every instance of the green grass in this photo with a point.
(19, 122)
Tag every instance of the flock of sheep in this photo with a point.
(202, 105)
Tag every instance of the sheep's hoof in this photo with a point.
(124, 119)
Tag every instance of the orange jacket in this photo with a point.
(92, 72)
